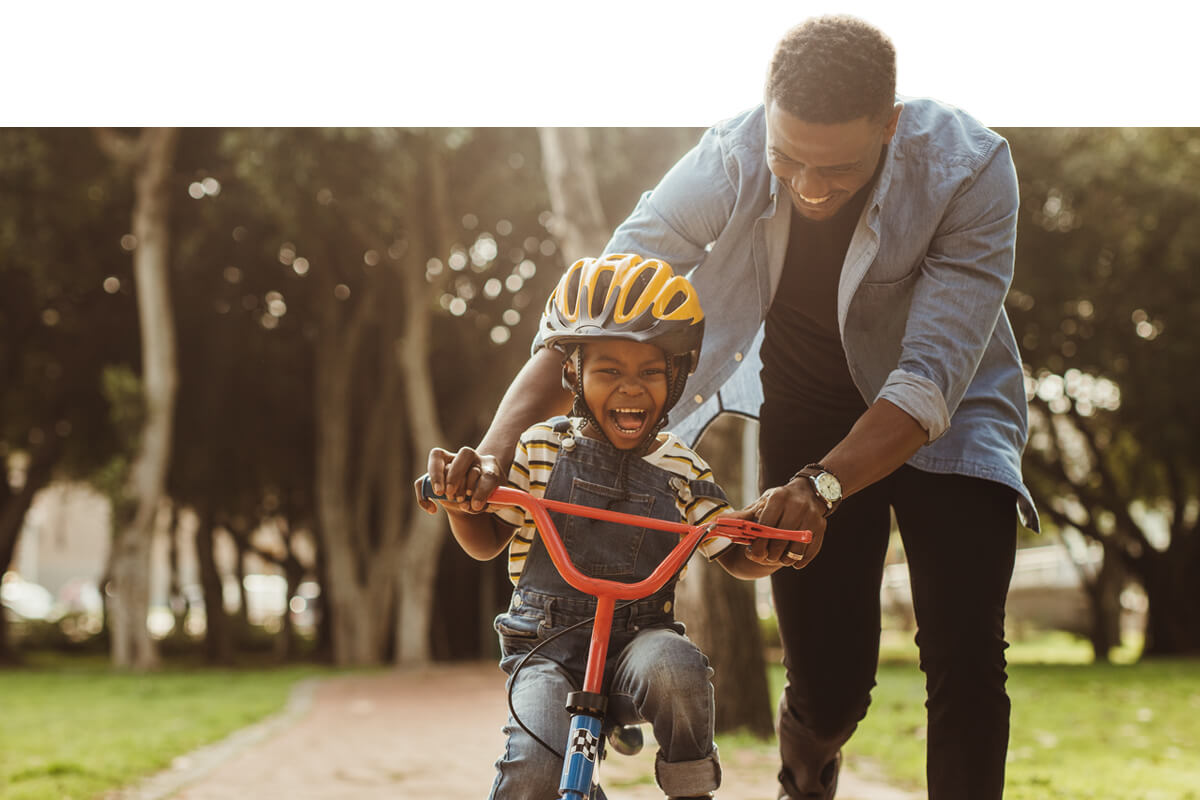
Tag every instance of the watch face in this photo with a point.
(829, 487)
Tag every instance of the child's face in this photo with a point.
(625, 386)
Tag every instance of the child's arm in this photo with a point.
(481, 536)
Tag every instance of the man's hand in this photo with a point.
(467, 478)
(794, 507)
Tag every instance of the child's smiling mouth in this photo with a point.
(628, 421)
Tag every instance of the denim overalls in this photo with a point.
(649, 658)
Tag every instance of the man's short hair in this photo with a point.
(833, 69)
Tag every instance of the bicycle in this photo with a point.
(585, 738)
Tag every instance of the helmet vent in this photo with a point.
(634, 294)
(572, 288)
(600, 294)
(675, 302)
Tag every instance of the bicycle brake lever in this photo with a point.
(427, 492)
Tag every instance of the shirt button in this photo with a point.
(737, 356)
(667, 607)
(699, 399)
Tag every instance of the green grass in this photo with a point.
(74, 728)
(1081, 731)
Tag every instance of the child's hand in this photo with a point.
(466, 478)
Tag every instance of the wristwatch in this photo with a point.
(825, 484)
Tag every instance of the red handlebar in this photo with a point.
(607, 592)
(737, 530)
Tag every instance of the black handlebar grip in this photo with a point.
(427, 490)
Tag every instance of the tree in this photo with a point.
(1102, 305)
(379, 234)
(150, 157)
(66, 315)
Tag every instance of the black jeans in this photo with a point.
(959, 537)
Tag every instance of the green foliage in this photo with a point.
(1102, 304)
(66, 309)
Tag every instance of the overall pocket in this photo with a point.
(605, 549)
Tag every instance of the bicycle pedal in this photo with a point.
(627, 739)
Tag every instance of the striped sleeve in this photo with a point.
(677, 457)
(532, 463)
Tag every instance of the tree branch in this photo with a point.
(125, 150)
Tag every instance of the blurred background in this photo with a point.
(225, 354)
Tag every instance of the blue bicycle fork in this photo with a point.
(583, 746)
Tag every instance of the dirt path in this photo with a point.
(428, 734)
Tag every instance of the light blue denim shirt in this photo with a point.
(921, 297)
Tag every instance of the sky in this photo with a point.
(564, 62)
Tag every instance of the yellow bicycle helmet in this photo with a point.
(625, 297)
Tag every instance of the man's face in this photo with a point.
(823, 165)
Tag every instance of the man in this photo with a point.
(854, 252)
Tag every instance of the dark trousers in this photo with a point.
(959, 537)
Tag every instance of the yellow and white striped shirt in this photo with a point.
(535, 458)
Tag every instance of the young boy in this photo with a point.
(630, 331)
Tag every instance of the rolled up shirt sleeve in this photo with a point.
(920, 398)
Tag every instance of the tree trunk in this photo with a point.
(218, 640)
(151, 157)
(1104, 599)
(12, 516)
(176, 600)
(358, 594)
(578, 224)
(1172, 618)
(421, 538)
(720, 610)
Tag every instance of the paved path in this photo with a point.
(429, 734)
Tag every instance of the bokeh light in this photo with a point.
(500, 334)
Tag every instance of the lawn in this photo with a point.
(74, 728)
(1079, 731)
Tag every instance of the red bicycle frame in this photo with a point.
(580, 761)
